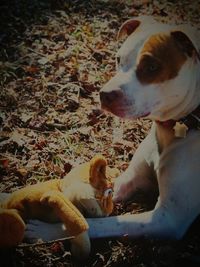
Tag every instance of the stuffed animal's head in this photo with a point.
(101, 178)
(90, 186)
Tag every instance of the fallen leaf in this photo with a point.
(4, 162)
(31, 69)
(43, 60)
(22, 172)
(67, 167)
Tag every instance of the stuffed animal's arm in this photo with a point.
(66, 211)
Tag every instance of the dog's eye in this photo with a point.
(148, 69)
(150, 65)
(153, 67)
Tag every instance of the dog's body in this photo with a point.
(158, 76)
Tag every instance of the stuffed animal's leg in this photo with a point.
(74, 221)
(66, 211)
(12, 228)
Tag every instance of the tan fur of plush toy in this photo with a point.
(81, 193)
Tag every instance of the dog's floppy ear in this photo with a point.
(187, 39)
(128, 27)
(131, 25)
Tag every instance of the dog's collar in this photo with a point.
(191, 121)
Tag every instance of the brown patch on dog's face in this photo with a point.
(160, 60)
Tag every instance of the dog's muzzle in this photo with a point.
(109, 98)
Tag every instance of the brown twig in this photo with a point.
(46, 243)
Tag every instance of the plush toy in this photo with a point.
(86, 191)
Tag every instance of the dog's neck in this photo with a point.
(192, 120)
(166, 130)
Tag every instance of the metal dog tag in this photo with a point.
(180, 130)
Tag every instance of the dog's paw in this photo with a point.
(38, 230)
(119, 190)
(122, 189)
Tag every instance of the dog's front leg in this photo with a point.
(140, 174)
(154, 224)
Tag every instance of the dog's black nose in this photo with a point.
(107, 98)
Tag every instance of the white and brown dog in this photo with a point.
(158, 76)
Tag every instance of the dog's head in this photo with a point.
(158, 71)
